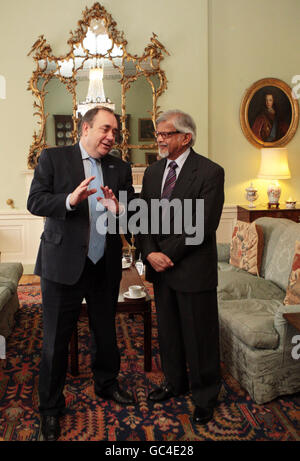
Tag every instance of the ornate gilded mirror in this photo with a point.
(98, 69)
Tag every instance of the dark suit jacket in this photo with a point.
(195, 266)
(64, 242)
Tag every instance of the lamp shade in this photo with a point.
(274, 164)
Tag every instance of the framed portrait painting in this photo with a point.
(269, 113)
(146, 129)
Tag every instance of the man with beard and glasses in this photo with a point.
(184, 275)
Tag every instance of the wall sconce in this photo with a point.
(274, 165)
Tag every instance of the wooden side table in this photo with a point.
(249, 215)
(125, 305)
(293, 318)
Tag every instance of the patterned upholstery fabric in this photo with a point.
(247, 247)
(10, 274)
(280, 265)
(252, 321)
(272, 229)
(293, 289)
(238, 284)
(255, 338)
(223, 252)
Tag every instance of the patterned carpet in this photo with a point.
(237, 417)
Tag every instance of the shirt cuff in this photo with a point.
(68, 206)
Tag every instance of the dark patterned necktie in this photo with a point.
(170, 181)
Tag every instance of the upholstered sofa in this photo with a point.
(10, 274)
(255, 338)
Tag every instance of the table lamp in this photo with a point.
(274, 166)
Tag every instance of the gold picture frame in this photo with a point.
(269, 113)
(146, 130)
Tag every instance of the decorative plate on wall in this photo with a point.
(63, 125)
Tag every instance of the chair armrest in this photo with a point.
(223, 252)
(5, 282)
(11, 271)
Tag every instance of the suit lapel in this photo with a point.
(110, 173)
(187, 176)
(77, 169)
(158, 177)
(78, 175)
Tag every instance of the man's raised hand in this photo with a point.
(82, 192)
(109, 200)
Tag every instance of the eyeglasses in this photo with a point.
(165, 134)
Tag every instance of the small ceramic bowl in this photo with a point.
(289, 204)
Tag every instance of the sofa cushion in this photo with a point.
(251, 321)
(238, 284)
(5, 295)
(247, 247)
(272, 229)
(12, 272)
(280, 265)
(223, 266)
(293, 289)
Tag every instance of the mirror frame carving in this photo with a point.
(41, 51)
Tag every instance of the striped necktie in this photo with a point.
(170, 181)
(97, 227)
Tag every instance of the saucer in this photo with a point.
(126, 265)
(127, 295)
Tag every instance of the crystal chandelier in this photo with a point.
(96, 94)
(96, 89)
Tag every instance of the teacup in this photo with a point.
(136, 290)
(290, 204)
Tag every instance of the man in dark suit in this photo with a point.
(74, 187)
(185, 275)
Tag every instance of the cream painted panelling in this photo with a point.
(19, 236)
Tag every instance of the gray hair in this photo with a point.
(182, 122)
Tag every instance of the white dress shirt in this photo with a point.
(180, 161)
(87, 171)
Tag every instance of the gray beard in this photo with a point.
(163, 154)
